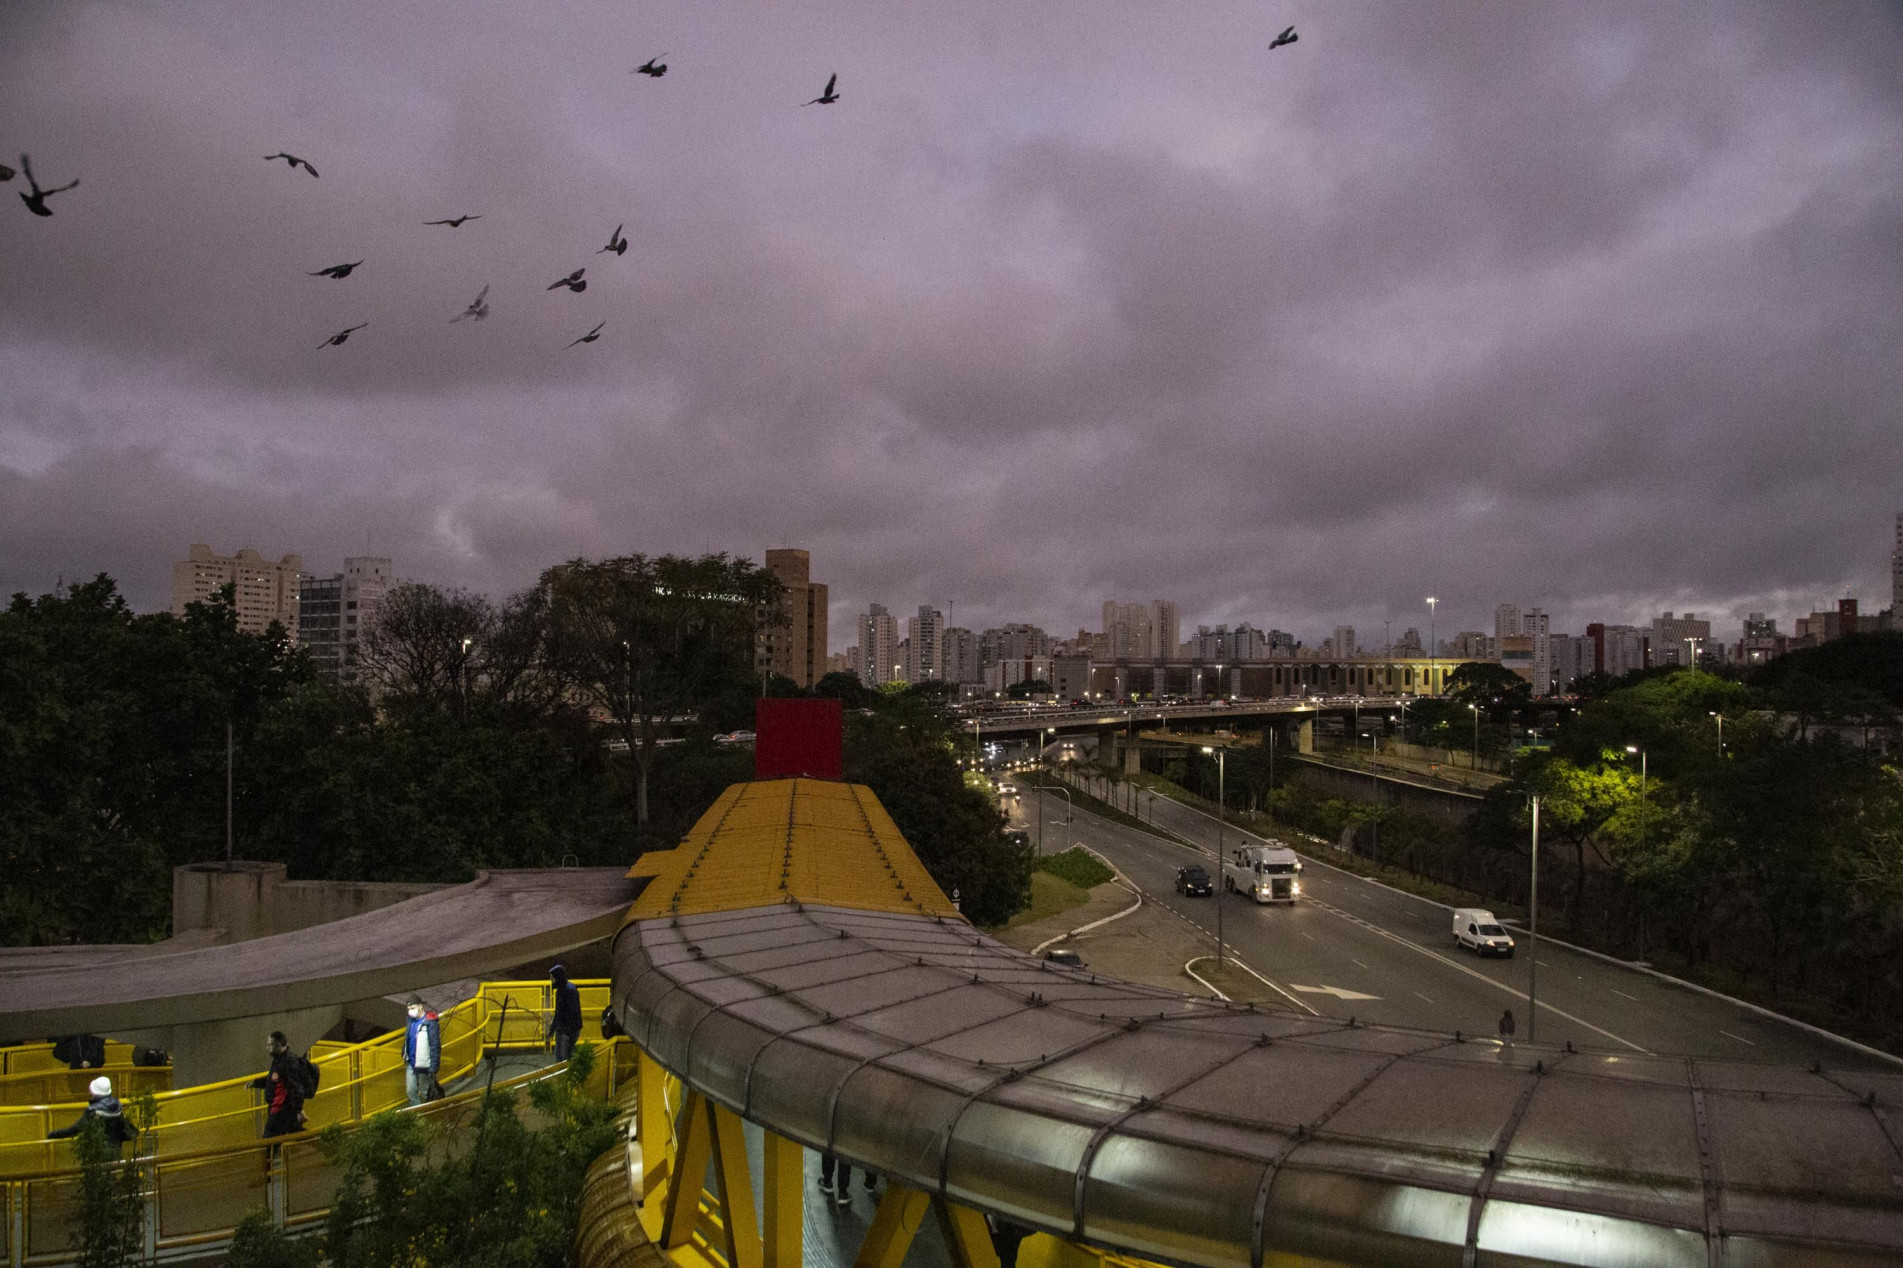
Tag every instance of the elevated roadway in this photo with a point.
(1029, 722)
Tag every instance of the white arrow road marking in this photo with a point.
(1336, 991)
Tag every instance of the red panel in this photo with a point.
(799, 738)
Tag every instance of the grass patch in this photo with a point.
(1050, 896)
(1077, 866)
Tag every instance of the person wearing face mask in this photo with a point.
(422, 1052)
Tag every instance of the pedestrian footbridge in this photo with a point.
(791, 966)
(791, 979)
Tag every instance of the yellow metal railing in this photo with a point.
(355, 1080)
(205, 1168)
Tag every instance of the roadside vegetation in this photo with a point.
(520, 734)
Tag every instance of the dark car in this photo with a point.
(1068, 959)
(1193, 881)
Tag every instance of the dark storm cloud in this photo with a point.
(1591, 307)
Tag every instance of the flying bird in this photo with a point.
(654, 68)
(616, 243)
(573, 281)
(1286, 37)
(337, 339)
(35, 200)
(478, 308)
(337, 271)
(829, 96)
(6, 173)
(457, 223)
(590, 337)
(293, 160)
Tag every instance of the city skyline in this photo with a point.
(1586, 308)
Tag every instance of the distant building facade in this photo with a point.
(924, 658)
(796, 650)
(879, 647)
(1141, 631)
(265, 591)
(335, 614)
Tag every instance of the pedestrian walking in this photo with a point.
(565, 1026)
(104, 1108)
(422, 1052)
(1507, 1026)
(284, 1086)
(835, 1177)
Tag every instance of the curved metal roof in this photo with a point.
(1197, 1132)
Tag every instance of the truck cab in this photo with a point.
(1267, 873)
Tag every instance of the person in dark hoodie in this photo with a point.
(283, 1086)
(103, 1107)
(565, 1026)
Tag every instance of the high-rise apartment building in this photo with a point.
(796, 650)
(264, 591)
(334, 614)
(1679, 640)
(1536, 628)
(1141, 631)
(961, 656)
(1617, 650)
(879, 647)
(1342, 642)
(1016, 641)
(925, 645)
(1896, 571)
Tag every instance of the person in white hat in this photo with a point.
(104, 1108)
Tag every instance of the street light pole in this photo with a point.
(1222, 887)
(1643, 817)
(1476, 758)
(1721, 732)
(228, 765)
(1533, 912)
(1433, 634)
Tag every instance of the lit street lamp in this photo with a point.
(1633, 748)
(1721, 732)
(1222, 884)
(1476, 712)
(1533, 913)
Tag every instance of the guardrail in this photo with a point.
(205, 1167)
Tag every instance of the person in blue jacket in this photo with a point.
(422, 1052)
(565, 1026)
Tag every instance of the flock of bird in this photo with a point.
(655, 67)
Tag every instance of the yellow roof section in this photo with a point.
(789, 840)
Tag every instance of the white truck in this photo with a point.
(1267, 873)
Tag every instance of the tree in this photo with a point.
(1025, 688)
(1498, 691)
(649, 641)
(847, 689)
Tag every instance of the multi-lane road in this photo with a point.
(1353, 948)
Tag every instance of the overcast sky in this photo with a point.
(1592, 307)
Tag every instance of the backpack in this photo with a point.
(305, 1071)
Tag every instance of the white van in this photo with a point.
(1475, 927)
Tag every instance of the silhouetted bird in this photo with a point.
(293, 160)
(457, 223)
(616, 243)
(35, 198)
(590, 337)
(1286, 37)
(654, 67)
(338, 271)
(829, 96)
(6, 173)
(573, 282)
(478, 308)
(338, 338)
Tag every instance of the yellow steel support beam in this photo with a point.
(693, 1144)
(785, 1185)
(966, 1235)
(734, 1188)
(653, 1125)
(894, 1225)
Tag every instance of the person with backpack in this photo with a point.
(422, 1052)
(286, 1085)
(565, 1026)
(104, 1108)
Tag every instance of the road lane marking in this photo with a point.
(1357, 962)
(1417, 993)
(1435, 955)
(1336, 991)
(1309, 936)
(1726, 1033)
(1622, 995)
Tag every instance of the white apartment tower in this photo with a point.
(1537, 626)
(266, 591)
(335, 613)
(878, 647)
(925, 645)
